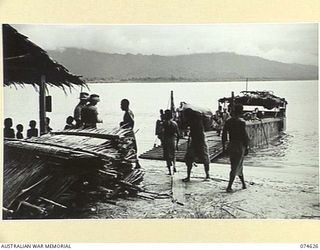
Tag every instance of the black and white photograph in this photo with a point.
(160, 121)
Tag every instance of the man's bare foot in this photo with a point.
(229, 190)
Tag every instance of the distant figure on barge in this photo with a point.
(159, 128)
(238, 145)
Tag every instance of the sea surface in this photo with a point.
(297, 147)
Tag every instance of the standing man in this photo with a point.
(77, 111)
(159, 127)
(197, 145)
(238, 145)
(224, 116)
(128, 123)
(128, 118)
(170, 140)
(89, 113)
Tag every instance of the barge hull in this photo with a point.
(260, 133)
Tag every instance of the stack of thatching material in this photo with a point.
(56, 174)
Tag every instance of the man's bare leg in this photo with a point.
(174, 165)
(189, 167)
(231, 179)
(243, 182)
(206, 169)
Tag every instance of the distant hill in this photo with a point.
(98, 66)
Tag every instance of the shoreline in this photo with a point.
(270, 194)
(193, 81)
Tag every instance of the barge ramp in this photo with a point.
(213, 140)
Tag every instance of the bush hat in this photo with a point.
(94, 97)
(84, 96)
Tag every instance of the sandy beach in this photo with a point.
(271, 193)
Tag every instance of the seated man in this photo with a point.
(8, 131)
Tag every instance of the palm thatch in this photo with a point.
(25, 63)
(55, 175)
(257, 98)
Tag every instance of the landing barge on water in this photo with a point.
(265, 116)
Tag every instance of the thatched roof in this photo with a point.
(25, 63)
(257, 98)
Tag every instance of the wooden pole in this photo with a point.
(247, 84)
(42, 105)
(172, 108)
(232, 102)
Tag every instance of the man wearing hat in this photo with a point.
(89, 113)
(77, 111)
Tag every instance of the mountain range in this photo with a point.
(223, 66)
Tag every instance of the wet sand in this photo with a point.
(272, 193)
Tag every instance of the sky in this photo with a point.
(289, 43)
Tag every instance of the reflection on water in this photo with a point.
(277, 150)
(297, 147)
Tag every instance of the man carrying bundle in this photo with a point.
(89, 113)
(238, 145)
(197, 145)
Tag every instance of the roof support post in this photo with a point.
(42, 105)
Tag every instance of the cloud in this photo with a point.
(292, 43)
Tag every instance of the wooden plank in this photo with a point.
(42, 105)
(178, 188)
(214, 144)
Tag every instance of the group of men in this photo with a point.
(86, 116)
(197, 149)
(86, 113)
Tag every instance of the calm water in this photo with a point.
(297, 147)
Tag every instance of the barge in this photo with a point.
(265, 116)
